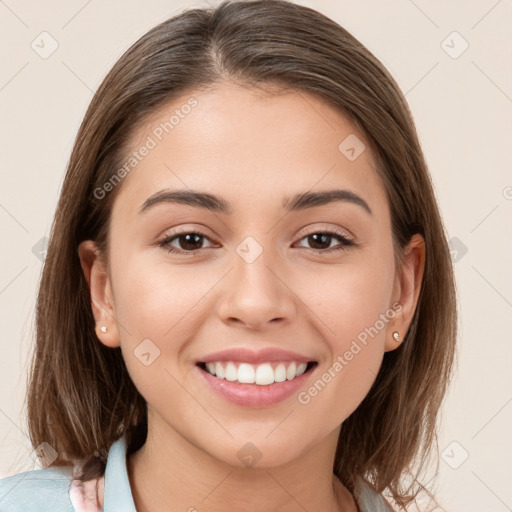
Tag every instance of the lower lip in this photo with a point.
(255, 395)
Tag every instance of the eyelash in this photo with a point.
(335, 233)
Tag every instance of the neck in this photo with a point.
(170, 473)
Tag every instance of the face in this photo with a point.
(275, 280)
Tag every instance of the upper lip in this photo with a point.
(254, 357)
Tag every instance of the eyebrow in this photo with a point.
(217, 204)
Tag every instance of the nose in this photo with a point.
(256, 294)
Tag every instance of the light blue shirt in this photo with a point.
(47, 490)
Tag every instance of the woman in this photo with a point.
(248, 300)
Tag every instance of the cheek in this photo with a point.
(351, 307)
(156, 299)
(348, 300)
(157, 308)
(354, 336)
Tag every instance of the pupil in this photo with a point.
(323, 237)
(191, 244)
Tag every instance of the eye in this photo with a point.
(325, 238)
(189, 242)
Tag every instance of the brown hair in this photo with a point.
(80, 396)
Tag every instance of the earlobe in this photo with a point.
(102, 303)
(407, 289)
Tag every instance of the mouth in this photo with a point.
(250, 378)
(263, 374)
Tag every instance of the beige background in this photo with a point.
(462, 108)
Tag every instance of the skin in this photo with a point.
(253, 150)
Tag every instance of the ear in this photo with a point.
(407, 288)
(102, 301)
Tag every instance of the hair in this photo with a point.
(80, 396)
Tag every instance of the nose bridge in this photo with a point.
(255, 257)
(256, 293)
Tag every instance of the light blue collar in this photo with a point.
(118, 494)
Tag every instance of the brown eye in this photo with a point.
(321, 241)
(188, 242)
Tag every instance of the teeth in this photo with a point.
(291, 371)
(301, 368)
(246, 373)
(219, 371)
(231, 372)
(262, 374)
(280, 373)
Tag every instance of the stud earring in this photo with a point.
(396, 336)
(103, 328)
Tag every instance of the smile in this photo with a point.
(255, 385)
(264, 374)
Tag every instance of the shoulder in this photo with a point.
(37, 490)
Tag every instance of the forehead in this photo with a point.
(248, 146)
